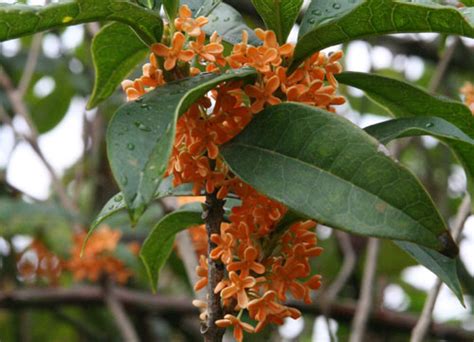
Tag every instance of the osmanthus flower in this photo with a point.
(208, 52)
(263, 93)
(174, 53)
(248, 263)
(235, 322)
(263, 264)
(43, 264)
(186, 23)
(238, 288)
(468, 92)
(97, 257)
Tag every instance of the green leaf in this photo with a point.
(158, 245)
(117, 203)
(404, 100)
(201, 7)
(324, 167)
(151, 4)
(171, 8)
(416, 126)
(229, 24)
(141, 134)
(279, 15)
(442, 266)
(328, 23)
(114, 60)
(21, 20)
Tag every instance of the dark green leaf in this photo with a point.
(114, 60)
(279, 15)
(404, 100)
(329, 23)
(117, 203)
(21, 20)
(171, 8)
(201, 7)
(408, 127)
(326, 168)
(229, 24)
(151, 4)
(159, 244)
(442, 266)
(141, 134)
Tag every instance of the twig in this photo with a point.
(422, 327)
(213, 216)
(168, 307)
(122, 321)
(30, 65)
(342, 277)
(443, 65)
(365, 302)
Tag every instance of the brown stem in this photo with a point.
(213, 216)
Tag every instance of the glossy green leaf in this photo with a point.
(328, 23)
(229, 24)
(326, 168)
(114, 60)
(151, 4)
(21, 20)
(141, 134)
(158, 245)
(201, 7)
(117, 203)
(279, 15)
(404, 100)
(442, 266)
(416, 126)
(171, 8)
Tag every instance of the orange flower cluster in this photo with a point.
(264, 263)
(38, 262)
(468, 91)
(98, 258)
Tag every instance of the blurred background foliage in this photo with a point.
(59, 87)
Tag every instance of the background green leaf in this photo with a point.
(171, 8)
(324, 167)
(442, 266)
(407, 127)
(404, 100)
(21, 20)
(279, 15)
(329, 23)
(158, 245)
(141, 134)
(114, 60)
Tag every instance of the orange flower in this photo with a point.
(223, 250)
(201, 271)
(186, 23)
(260, 308)
(207, 52)
(239, 326)
(468, 91)
(174, 53)
(263, 93)
(248, 263)
(238, 288)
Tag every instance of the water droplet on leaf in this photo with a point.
(429, 124)
(336, 6)
(130, 146)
